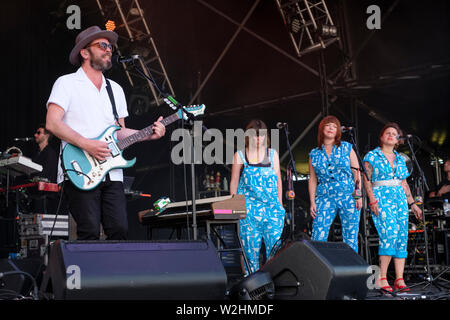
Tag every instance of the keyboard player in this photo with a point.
(46, 155)
(48, 159)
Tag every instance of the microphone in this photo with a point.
(123, 59)
(281, 125)
(405, 137)
(24, 139)
(346, 129)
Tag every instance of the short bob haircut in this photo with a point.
(322, 124)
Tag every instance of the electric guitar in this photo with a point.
(86, 172)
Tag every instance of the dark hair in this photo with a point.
(322, 124)
(387, 126)
(42, 125)
(257, 125)
(80, 59)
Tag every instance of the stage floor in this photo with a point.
(438, 290)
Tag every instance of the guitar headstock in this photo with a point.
(196, 110)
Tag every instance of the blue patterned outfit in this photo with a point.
(265, 214)
(334, 190)
(392, 219)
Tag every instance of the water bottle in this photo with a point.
(225, 184)
(446, 207)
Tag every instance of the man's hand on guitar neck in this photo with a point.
(159, 130)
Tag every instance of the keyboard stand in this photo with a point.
(211, 224)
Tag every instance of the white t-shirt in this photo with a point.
(88, 111)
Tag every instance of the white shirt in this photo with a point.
(88, 111)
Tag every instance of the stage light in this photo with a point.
(295, 25)
(110, 25)
(309, 23)
(442, 138)
(328, 31)
(135, 11)
(439, 161)
(434, 136)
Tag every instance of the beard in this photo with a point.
(98, 63)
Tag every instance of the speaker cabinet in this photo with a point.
(134, 270)
(311, 270)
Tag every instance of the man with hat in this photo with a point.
(79, 109)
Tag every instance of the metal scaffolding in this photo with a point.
(309, 23)
(132, 26)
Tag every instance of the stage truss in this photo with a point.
(133, 27)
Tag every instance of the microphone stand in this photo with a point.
(191, 118)
(355, 147)
(363, 170)
(291, 168)
(422, 184)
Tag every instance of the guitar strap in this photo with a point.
(113, 103)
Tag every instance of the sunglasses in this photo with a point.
(102, 45)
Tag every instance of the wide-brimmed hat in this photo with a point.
(85, 37)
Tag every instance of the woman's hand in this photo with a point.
(358, 203)
(416, 210)
(313, 210)
(374, 207)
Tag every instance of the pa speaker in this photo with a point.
(134, 270)
(312, 270)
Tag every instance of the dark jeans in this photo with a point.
(106, 204)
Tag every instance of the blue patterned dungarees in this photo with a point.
(265, 214)
(392, 219)
(334, 190)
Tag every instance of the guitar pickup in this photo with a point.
(76, 167)
(114, 149)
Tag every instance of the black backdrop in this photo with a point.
(190, 37)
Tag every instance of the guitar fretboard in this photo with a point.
(144, 133)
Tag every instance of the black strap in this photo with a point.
(113, 103)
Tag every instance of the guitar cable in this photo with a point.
(78, 172)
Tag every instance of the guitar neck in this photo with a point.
(144, 133)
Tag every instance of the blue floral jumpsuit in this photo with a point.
(392, 219)
(334, 193)
(265, 214)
